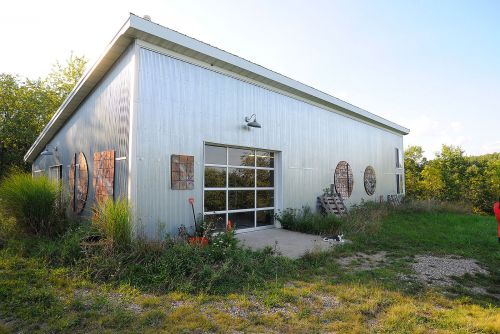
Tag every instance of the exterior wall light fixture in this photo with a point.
(254, 123)
(49, 150)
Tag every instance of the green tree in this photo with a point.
(63, 78)
(453, 169)
(452, 176)
(414, 165)
(483, 177)
(432, 184)
(27, 105)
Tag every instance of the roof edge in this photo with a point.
(136, 27)
(82, 88)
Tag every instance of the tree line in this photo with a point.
(453, 176)
(26, 106)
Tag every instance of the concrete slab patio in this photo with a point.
(288, 243)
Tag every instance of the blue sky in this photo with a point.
(432, 66)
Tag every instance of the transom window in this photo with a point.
(238, 187)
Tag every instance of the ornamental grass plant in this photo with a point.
(35, 203)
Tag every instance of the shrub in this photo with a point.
(65, 250)
(433, 205)
(188, 268)
(365, 217)
(8, 229)
(113, 221)
(304, 220)
(34, 203)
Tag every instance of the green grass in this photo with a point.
(113, 220)
(304, 220)
(35, 203)
(40, 294)
(404, 235)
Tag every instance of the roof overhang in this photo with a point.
(141, 29)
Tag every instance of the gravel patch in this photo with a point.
(362, 261)
(440, 271)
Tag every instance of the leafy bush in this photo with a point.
(304, 220)
(113, 221)
(34, 203)
(65, 250)
(221, 267)
(453, 177)
(365, 217)
(8, 229)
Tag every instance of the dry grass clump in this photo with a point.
(434, 205)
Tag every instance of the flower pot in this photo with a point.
(201, 241)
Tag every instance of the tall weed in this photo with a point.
(113, 220)
(433, 205)
(304, 220)
(34, 203)
(365, 217)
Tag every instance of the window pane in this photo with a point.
(215, 200)
(265, 159)
(265, 218)
(265, 198)
(242, 220)
(215, 177)
(241, 157)
(215, 155)
(265, 178)
(241, 199)
(241, 177)
(217, 221)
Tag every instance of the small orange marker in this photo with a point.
(229, 225)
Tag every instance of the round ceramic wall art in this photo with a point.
(82, 186)
(344, 180)
(370, 180)
(71, 182)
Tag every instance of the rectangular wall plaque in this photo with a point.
(182, 172)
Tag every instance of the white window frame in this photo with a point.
(399, 158)
(38, 173)
(255, 188)
(59, 172)
(399, 183)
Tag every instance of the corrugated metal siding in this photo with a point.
(100, 123)
(181, 106)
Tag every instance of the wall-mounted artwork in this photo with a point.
(370, 180)
(82, 189)
(71, 182)
(104, 175)
(344, 180)
(182, 172)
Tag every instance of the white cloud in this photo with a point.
(491, 147)
(457, 126)
(431, 133)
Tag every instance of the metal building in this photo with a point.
(162, 118)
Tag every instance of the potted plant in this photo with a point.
(200, 236)
(202, 232)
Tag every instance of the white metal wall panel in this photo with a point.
(181, 106)
(100, 123)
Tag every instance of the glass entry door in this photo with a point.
(239, 187)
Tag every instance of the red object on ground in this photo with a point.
(496, 209)
(229, 225)
(200, 241)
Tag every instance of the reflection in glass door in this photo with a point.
(238, 187)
